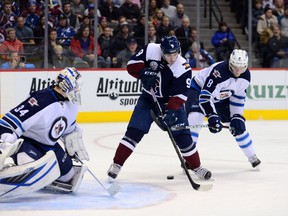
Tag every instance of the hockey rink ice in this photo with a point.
(238, 189)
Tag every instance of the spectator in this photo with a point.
(77, 8)
(31, 15)
(7, 16)
(278, 10)
(105, 42)
(130, 10)
(52, 42)
(102, 24)
(283, 21)
(139, 31)
(124, 56)
(266, 20)
(152, 8)
(165, 27)
(257, 11)
(90, 13)
(168, 9)
(177, 21)
(110, 11)
(24, 33)
(120, 41)
(188, 42)
(116, 29)
(58, 59)
(157, 17)
(277, 49)
(197, 57)
(152, 34)
(82, 46)
(40, 31)
(183, 33)
(72, 19)
(11, 44)
(65, 32)
(223, 40)
(16, 62)
(15, 7)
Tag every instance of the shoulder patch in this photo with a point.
(216, 73)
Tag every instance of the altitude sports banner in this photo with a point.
(111, 95)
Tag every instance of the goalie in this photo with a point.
(30, 134)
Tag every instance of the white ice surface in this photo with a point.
(238, 189)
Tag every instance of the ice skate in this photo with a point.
(254, 161)
(202, 173)
(113, 172)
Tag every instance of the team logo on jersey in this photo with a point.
(224, 95)
(33, 102)
(57, 129)
(216, 73)
(186, 65)
(153, 65)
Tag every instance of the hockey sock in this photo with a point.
(193, 160)
(122, 153)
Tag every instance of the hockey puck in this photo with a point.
(170, 177)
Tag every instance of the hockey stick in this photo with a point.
(183, 127)
(112, 190)
(195, 186)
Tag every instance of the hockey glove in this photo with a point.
(148, 78)
(169, 118)
(214, 123)
(237, 125)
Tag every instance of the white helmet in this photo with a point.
(70, 81)
(239, 59)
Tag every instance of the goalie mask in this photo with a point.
(70, 81)
(170, 48)
(238, 62)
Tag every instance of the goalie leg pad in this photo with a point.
(7, 149)
(20, 180)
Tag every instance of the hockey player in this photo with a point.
(161, 68)
(40, 121)
(219, 92)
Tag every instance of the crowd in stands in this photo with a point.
(269, 29)
(121, 29)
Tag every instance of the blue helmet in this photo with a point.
(170, 44)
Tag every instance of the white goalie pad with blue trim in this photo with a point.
(20, 180)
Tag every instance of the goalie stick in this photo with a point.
(195, 186)
(112, 190)
(183, 127)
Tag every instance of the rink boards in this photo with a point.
(110, 95)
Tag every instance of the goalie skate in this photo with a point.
(73, 184)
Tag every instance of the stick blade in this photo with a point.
(205, 187)
(113, 189)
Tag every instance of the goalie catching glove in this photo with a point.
(237, 125)
(74, 145)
